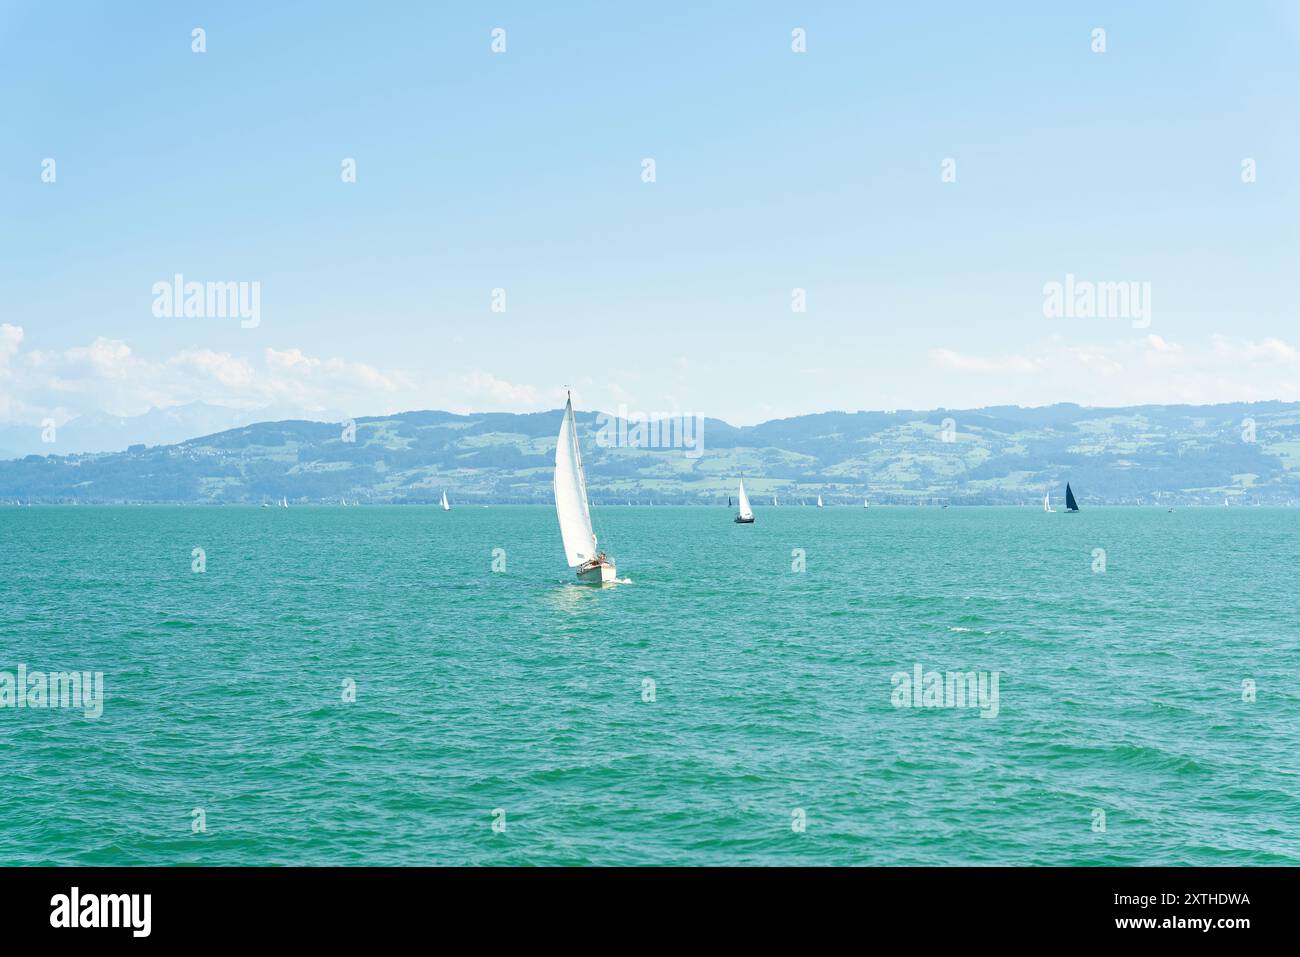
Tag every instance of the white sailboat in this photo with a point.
(866, 504)
(774, 505)
(284, 502)
(572, 508)
(1047, 502)
(819, 502)
(446, 507)
(745, 515)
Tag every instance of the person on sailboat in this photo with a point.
(600, 560)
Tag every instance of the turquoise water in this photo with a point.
(477, 691)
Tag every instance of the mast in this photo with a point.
(571, 504)
(745, 510)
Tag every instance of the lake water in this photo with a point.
(736, 701)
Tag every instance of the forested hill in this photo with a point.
(1247, 452)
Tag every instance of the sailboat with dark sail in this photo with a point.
(1070, 504)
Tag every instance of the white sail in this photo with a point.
(445, 506)
(819, 502)
(1046, 506)
(571, 494)
(745, 510)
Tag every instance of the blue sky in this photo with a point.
(522, 171)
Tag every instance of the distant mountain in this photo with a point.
(101, 432)
(1247, 452)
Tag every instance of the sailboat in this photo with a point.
(284, 502)
(745, 516)
(571, 506)
(728, 501)
(866, 504)
(1070, 504)
(819, 502)
(445, 506)
(774, 505)
(1047, 502)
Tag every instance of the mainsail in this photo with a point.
(1070, 504)
(745, 510)
(571, 494)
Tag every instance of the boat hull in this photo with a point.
(744, 521)
(597, 573)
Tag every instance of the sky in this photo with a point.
(922, 172)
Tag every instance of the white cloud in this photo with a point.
(948, 359)
(11, 337)
(1267, 351)
(108, 376)
(478, 387)
(220, 367)
(1128, 371)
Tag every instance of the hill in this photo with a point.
(998, 455)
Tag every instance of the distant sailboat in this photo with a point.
(1047, 502)
(774, 505)
(866, 504)
(745, 516)
(728, 501)
(1070, 504)
(446, 507)
(572, 508)
(819, 502)
(284, 502)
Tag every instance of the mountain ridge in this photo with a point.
(1184, 453)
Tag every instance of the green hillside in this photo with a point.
(1001, 455)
